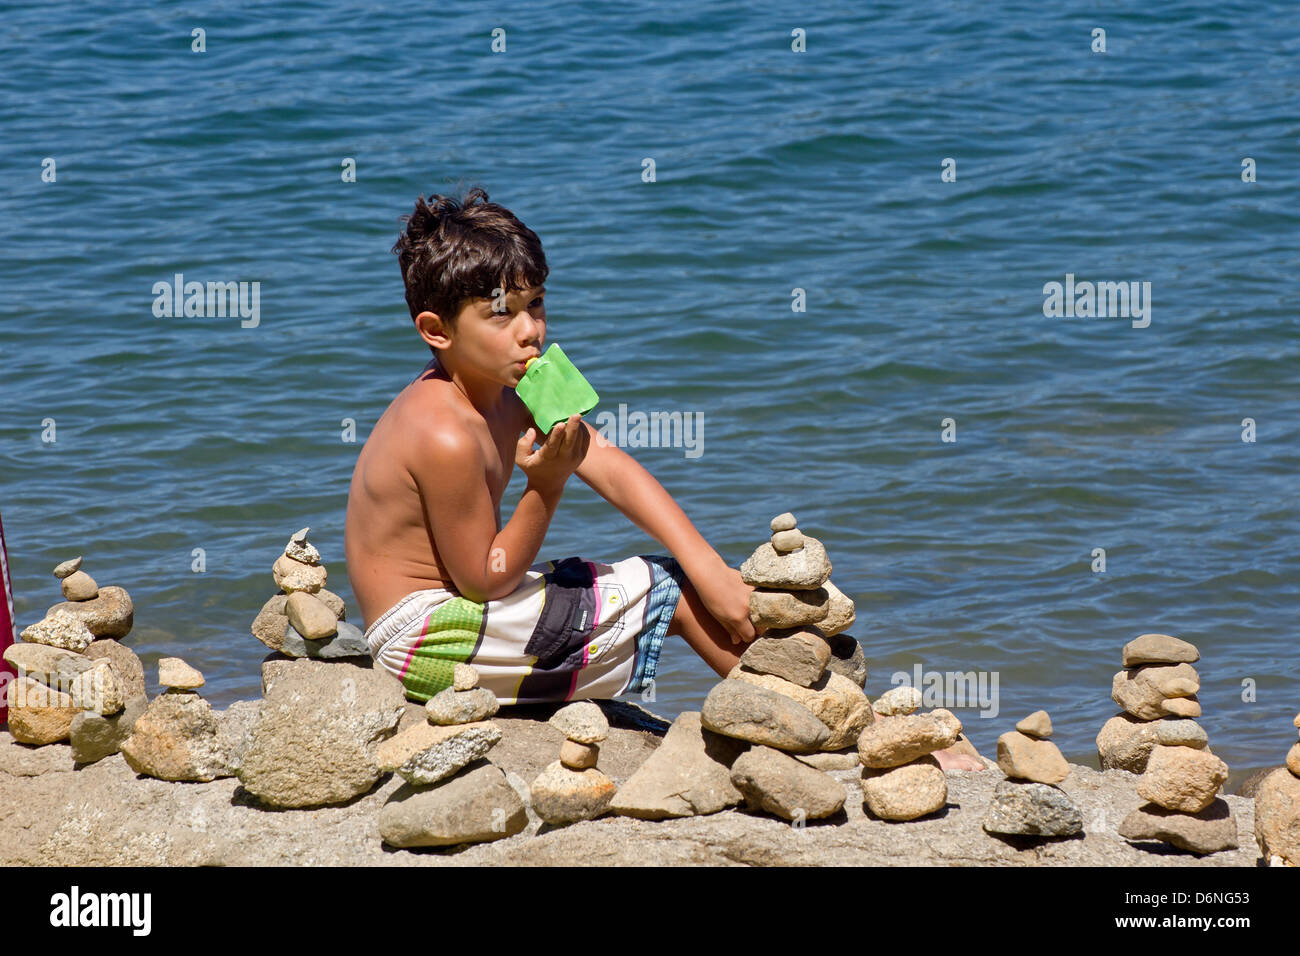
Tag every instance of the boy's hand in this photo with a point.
(727, 598)
(550, 466)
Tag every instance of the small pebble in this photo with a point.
(68, 567)
(783, 522)
(578, 756)
(174, 673)
(1037, 725)
(464, 677)
(783, 542)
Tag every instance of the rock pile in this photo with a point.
(1277, 809)
(178, 737)
(1158, 684)
(572, 788)
(900, 778)
(75, 682)
(305, 619)
(1029, 802)
(452, 793)
(1180, 776)
(796, 695)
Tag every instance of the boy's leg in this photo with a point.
(694, 624)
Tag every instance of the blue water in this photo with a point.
(774, 171)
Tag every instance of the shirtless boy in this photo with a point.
(438, 578)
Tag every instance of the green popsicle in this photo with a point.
(553, 389)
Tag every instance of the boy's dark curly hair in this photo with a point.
(452, 251)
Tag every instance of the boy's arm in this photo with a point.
(451, 478)
(619, 479)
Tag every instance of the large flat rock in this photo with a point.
(104, 815)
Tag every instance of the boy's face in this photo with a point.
(496, 344)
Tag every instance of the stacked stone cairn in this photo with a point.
(901, 780)
(452, 793)
(75, 682)
(1180, 776)
(1277, 810)
(572, 788)
(1158, 684)
(305, 619)
(1029, 802)
(178, 737)
(796, 696)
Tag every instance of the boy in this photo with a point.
(438, 579)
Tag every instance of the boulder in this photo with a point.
(689, 774)
(38, 714)
(176, 739)
(1211, 830)
(807, 568)
(583, 722)
(97, 690)
(94, 737)
(905, 792)
(451, 706)
(833, 699)
(1158, 649)
(426, 753)
(50, 665)
(1124, 743)
(781, 785)
(894, 741)
(747, 711)
(1032, 809)
(1277, 816)
(561, 795)
(109, 615)
(787, 609)
(60, 629)
(473, 806)
(1021, 757)
(127, 667)
(1182, 778)
(799, 657)
(316, 733)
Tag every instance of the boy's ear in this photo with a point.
(431, 329)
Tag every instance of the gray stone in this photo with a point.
(348, 641)
(782, 609)
(60, 629)
(474, 806)
(451, 706)
(781, 785)
(316, 732)
(561, 795)
(807, 568)
(746, 711)
(689, 774)
(581, 721)
(1181, 733)
(1211, 830)
(847, 658)
(426, 753)
(94, 737)
(109, 615)
(1032, 809)
(799, 657)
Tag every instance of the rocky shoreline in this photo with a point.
(56, 813)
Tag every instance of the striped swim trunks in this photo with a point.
(573, 630)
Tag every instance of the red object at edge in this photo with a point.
(8, 635)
